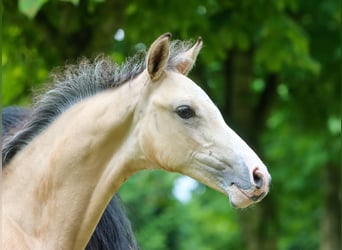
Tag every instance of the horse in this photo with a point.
(99, 123)
(114, 230)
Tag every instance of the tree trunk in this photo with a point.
(247, 115)
(331, 219)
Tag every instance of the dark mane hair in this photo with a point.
(75, 83)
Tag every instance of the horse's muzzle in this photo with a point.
(261, 183)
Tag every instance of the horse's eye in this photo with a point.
(185, 112)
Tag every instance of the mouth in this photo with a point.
(255, 198)
(240, 198)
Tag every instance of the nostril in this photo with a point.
(258, 179)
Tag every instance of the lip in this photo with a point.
(240, 198)
(255, 198)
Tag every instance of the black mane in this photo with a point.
(73, 84)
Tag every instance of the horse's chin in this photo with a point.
(237, 198)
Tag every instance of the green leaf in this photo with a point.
(30, 7)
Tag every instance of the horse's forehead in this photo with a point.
(183, 86)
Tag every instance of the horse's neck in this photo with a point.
(57, 187)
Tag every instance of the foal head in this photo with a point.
(183, 131)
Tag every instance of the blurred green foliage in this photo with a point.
(285, 53)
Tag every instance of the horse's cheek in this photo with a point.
(148, 148)
(157, 151)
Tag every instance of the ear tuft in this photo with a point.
(187, 59)
(158, 56)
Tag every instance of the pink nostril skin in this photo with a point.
(259, 179)
(261, 185)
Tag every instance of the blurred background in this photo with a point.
(272, 67)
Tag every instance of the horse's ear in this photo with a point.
(158, 55)
(185, 61)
